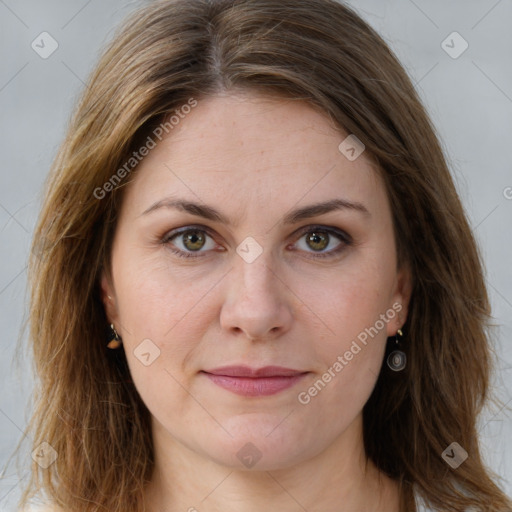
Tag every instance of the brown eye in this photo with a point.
(317, 240)
(185, 242)
(193, 240)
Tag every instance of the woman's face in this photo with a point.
(263, 280)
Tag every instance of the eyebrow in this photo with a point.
(306, 212)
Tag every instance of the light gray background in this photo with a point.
(469, 99)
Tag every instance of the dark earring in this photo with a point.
(397, 360)
(115, 340)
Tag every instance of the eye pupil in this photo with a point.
(193, 237)
(318, 238)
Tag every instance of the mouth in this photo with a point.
(247, 381)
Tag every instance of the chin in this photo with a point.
(256, 450)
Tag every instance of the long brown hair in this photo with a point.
(319, 51)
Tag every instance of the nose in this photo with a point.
(258, 302)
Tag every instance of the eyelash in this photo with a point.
(342, 236)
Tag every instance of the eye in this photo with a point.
(189, 240)
(318, 238)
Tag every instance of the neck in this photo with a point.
(340, 479)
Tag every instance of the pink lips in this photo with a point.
(247, 381)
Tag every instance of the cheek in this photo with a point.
(170, 310)
(350, 354)
(156, 299)
(351, 310)
(343, 304)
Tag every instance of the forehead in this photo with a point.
(249, 147)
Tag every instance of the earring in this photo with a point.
(397, 360)
(115, 340)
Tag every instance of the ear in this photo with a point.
(401, 298)
(108, 297)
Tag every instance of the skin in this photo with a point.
(255, 159)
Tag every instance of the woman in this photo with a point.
(254, 285)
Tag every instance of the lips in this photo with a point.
(247, 381)
(247, 371)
